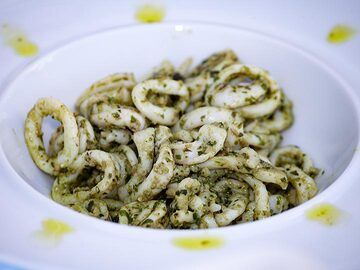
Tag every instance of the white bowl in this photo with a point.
(326, 116)
(326, 121)
(326, 126)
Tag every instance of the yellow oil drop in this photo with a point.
(198, 243)
(325, 213)
(53, 230)
(16, 39)
(340, 33)
(150, 13)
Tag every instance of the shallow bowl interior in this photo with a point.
(325, 119)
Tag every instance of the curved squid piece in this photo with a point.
(282, 118)
(304, 185)
(119, 96)
(145, 144)
(64, 188)
(151, 214)
(209, 142)
(158, 178)
(206, 73)
(163, 136)
(248, 161)
(210, 115)
(109, 138)
(34, 141)
(292, 154)
(165, 70)
(267, 173)
(278, 204)
(183, 135)
(262, 205)
(233, 196)
(148, 186)
(243, 160)
(128, 153)
(249, 213)
(161, 172)
(93, 207)
(193, 205)
(118, 85)
(116, 116)
(87, 140)
(163, 115)
(263, 142)
(257, 98)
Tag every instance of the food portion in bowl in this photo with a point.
(183, 148)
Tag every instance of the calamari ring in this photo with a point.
(183, 69)
(210, 115)
(292, 154)
(120, 96)
(262, 205)
(145, 144)
(163, 136)
(234, 204)
(247, 101)
(214, 61)
(112, 82)
(209, 142)
(267, 173)
(282, 118)
(248, 161)
(249, 213)
(304, 185)
(93, 207)
(165, 70)
(160, 174)
(183, 135)
(242, 161)
(63, 187)
(150, 214)
(34, 141)
(206, 73)
(255, 135)
(117, 116)
(263, 142)
(113, 136)
(128, 153)
(161, 115)
(158, 178)
(87, 140)
(193, 205)
(278, 204)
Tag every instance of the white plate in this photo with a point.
(326, 126)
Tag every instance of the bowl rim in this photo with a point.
(132, 232)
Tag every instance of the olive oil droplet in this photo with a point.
(149, 13)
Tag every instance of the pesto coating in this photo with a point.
(184, 148)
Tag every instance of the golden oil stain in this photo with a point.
(150, 13)
(16, 39)
(340, 33)
(198, 243)
(53, 231)
(325, 213)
